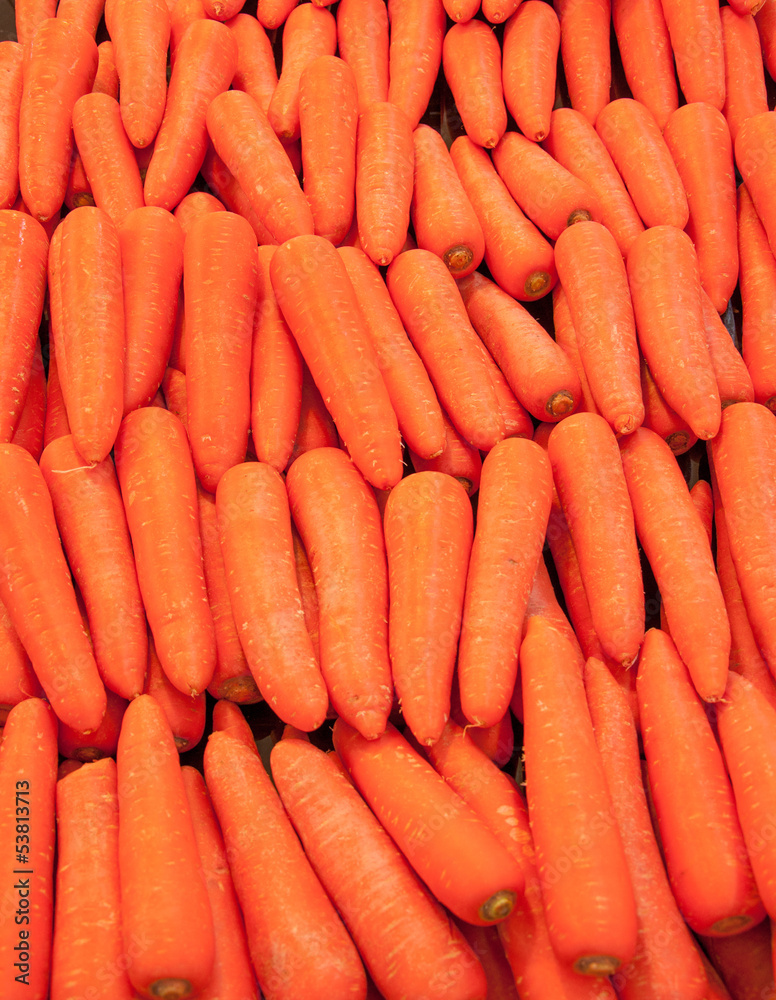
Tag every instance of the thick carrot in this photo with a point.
(195, 204)
(163, 896)
(271, 874)
(204, 67)
(660, 418)
(432, 826)
(319, 304)
(516, 253)
(734, 383)
(566, 338)
(471, 60)
(156, 475)
(309, 32)
(87, 14)
(458, 459)
(244, 139)
(87, 747)
(415, 53)
(428, 537)
(745, 961)
(140, 31)
(256, 73)
(696, 38)
(272, 13)
(328, 499)
(10, 103)
(28, 772)
(220, 179)
(755, 143)
(758, 288)
(699, 141)
(29, 15)
(584, 47)
(229, 717)
(185, 714)
(531, 42)
(647, 59)
(594, 280)
(362, 34)
(60, 68)
(316, 428)
(766, 28)
(745, 94)
(665, 288)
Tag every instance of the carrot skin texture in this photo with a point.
(319, 304)
(645, 50)
(745, 93)
(272, 13)
(296, 953)
(351, 582)
(584, 29)
(755, 143)
(758, 288)
(86, 15)
(316, 428)
(182, 15)
(221, 10)
(226, 186)
(362, 36)
(28, 770)
(458, 458)
(530, 56)
(106, 81)
(415, 54)
(30, 14)
(174, 391)
(255, 73)
(229, 717)
(156, 474)
(734, 382)
(185, 714)
(471, 59)
(11, 85)
(696, 39)
(60, 68)
(566, 338)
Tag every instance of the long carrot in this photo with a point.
(734, 383)
(645, 50)
(256, 73)
(415, 53)
(696, 38)
(11, 81)
(471, 59)
(660, 418)
(745, 94)
(458, 459)
(362, 35)
(531, 43)
(584, 46)
(758, 286)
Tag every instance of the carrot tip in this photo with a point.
(537, 283)
(181, 743)
(771, 404)
(467, 484)
(626, 425)
(596, 965)
(84, 198)
(731, 925)
(560, 403)
(171, 989)
(87, 755)
(678, 442)
(458, 258)
(242, 690)
(579, 215)
(499, 906)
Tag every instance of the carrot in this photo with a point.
(60, 68)
(10, 103)
(243, 138)
(408, 385)
(758, 287)
(56, 418)
(174, 391)
(745, 724)
(432, 826)
(106, 80)
(384, 180)
(90, 516)
(29, 429)
(316, 428)
(755, 142)
(140, 31)
(194, 205)
(255, 72)
(221, 10)
(498, 11)
(272, 13)
(304, 578)
(415, 53)
(163, 897)
(328, 116)
(28, 769)
(152, 266)
(30, 14)
(531, 42)
(632, 137)
(428, 302)
(17, 681)
(309, 32)
(745, 961)
(227, 188)
(660, 418)
(593, 276)
(328, 497)
(182, 15)
(542, 603)
(185, 714)
(158, 488)
(428, 537)
(102, 742)
(699, 141)
(362, 35)
(586, 885)
(319, 304)
(645, 50)
(271, 873)
(666, 961)
(584, 47)
(566, 338)
(696, 38)
(471, 59)
(745, 94)
(458, 459)
(766, 28)
(229, 717)
(517, 255)
(665, 288)
(87, 14)
(734, 383)
(79, 190)
(348, 848)
(205, 64)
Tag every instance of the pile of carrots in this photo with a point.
(312, 397)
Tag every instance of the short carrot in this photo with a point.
(362, 35)
(531, 43)
(758, 286)
(696, 38)
(660, 418)
(471, 60)
(415, 53)
(734, 383)
(754, 146)
(584, 47)
(498, 11)
(11, 81)
(185, 714)
(645, 50)
(221, 10)
(459, 459)
(256, 73)
(745, 94)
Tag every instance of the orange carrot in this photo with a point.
(102, 742)
(56, 417)
(758, 288)
(497, 11)
(542, 603)
(745, 961)
(182, 15)
(255, 73)
(471, 59)
(272, 13)
(10, 103)
(584, 46)
(87, 14)
(195, 204)
(458, 459)
(304, 578)
(316, 428)
(415, 53)
(531, 42)
(17, 681)
(106, 80)
(566, 338)
(734, 382)
(755, 143)
(30, 14)
(765, 19)
(362, 34)
(229, 717)
(645, 50)
(696, 38)
(221, 10)
(745, 94)
(660, 418)
(220, 179)
(185, 714)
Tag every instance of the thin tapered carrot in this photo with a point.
(517, 255)
(543, 603)
(471, 59)
(415, 53)
(496, 742)
(220, 288)
(328, 496)
(754, 146)
(566, 338)
(408, 384)
(106, 80)
(531, 43)
(461, 10)
(362, 35)
(11, 81)
(271, 873)
(699, 141)
(174, 391)
(140, 31)
(434, 316)
(497, 11)
(442, 215)
(256, 73)
(204, 67)
(185, 714)
(320, 306)
(60, 68)
(102, 742)
(634, 141)
(328, 117)
(745, 962)
(220, 180)
(309, 32)
(195, 204)
(432, 826)
(660, 418)
(584, 47)
(701, 837)
(587, 890)
(745, 94)
(734, 383)
(645, 50)
(272, 13)
(507, 547)
(428, 536)
(244, 139)
(459, 459)
(551, 196)
(28, 772)
(765, 19)
(228, 716)
(593, 276)
(87, 14)
(23, 261)
(347, 846)
(696, 39)
(666, 961)
(18, 681)
(29, 15)
(676, 545)
(758, 286)
(156, 474)
(90, 516)
(108, 157)
(316, 428)
(665, 288)
(163, 896)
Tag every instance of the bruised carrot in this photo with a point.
(660, 418)
(362, 35)
(229, 717)
(29, 15)
(758, 286)
(415, 54)
(255, 72)
(10, 102)
(745, 94)
(696, 39)
(645, 50)
(471, 59)
(565, 337)
(734, 383)
(531, 43)
(458, 459)
(185, 714)
(584, 47)
(316, 428)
